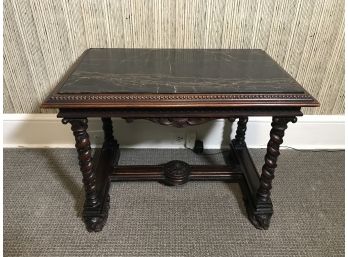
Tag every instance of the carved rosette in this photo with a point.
(176, 173)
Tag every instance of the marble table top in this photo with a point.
(178, 71)
(142, 78)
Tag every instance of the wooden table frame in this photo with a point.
(273, 93)
(97, 175)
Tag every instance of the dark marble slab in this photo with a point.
(178, 71)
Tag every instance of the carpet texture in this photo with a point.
(43, 199)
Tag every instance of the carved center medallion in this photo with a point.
(176, 172)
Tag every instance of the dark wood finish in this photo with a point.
(176, 173)
(83, 147)
(157, 173)
(279, 125)
(261, 218)
(182, 87)
(110, 143)
(240, 133)
(95, 210)
(215, 113)
(179, 122)
(108, 131)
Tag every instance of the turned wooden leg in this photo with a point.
(109, 141)
(262, 215)
(83, 147)
(108, 131)
(92, 216)
(241, 129)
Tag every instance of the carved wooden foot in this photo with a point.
(96, 204)
(95, 218)
(260, 217)
(260, 221)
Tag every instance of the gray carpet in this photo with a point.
(43, 199)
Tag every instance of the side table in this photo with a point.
(177, 87)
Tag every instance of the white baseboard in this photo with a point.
(45, 130)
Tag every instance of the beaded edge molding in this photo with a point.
(179, 97)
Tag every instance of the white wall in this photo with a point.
(45, 130)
